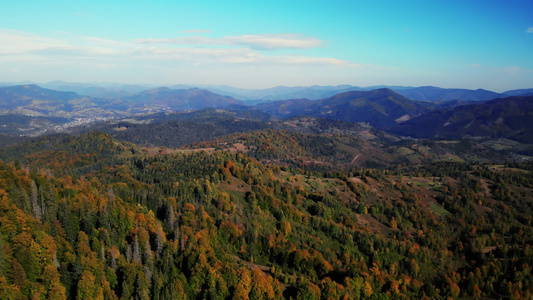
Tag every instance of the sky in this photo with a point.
(469, 44)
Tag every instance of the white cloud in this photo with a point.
(529, 30)
(229, 60)
(256, 42)
(516, 70)
(195, 31)
(305, 60)
(66, 46)
(15, 42)
(233, 56)
(273, 41)
(24, 44)
(189, 40)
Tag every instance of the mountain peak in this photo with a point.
(182, 99)
(31, 86)
(385, 91)
(36, 91)
(380, 108)
(370, 95)
(499, 118)
(156, 90)
(432, 93)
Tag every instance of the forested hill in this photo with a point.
(510, 118)
(431, 93)
(380, 108)
(180, 99)
(176, 130)
(33, 100)
(347, 150)
(89, 217)
(13, 96)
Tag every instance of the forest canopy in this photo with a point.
(89, 217)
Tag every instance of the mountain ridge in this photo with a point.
(380, 108)
(431, 93)
(183, 99)
(92, 217)
(314, 92)
(510, 117)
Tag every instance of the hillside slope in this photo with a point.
(32, 100)
(181, 99)
(510, 118)
(431, 93)
(380, 108)
(90, 217)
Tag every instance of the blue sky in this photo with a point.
(259, 44)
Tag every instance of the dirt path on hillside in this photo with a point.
(355, 158)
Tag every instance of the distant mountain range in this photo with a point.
(254, 96)
(425, 93)
(33, 110)
(510, 118)
(380, 108)
(34, 100)
(180, 99)
(22, 95)
(99, 90)
(521, 92)
(431, 93)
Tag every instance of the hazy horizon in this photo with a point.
(450, 44)
(111, 85)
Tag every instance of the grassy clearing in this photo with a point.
(501, 144)
(450, 157)
(302, 181)
(423, 182)
(311, 184)
(424, 150)
(439, 210)
(405, 151)
(502, 168)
